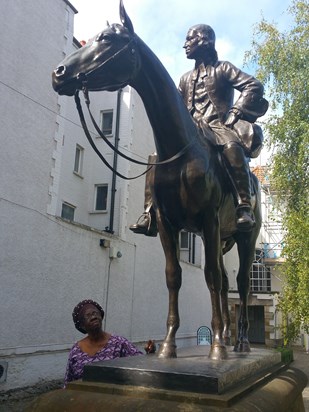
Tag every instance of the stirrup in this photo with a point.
(145, 225)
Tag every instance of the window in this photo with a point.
(260, 278)
(78, 162)
(107, 122)
(190, 248)
(101, 198)
(184, 240)
(67, 19)
(67, 211)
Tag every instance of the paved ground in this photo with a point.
(18, 401)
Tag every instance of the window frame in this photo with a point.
(260, 274)
(109, 132)
(193, 257)
(96, 187)
(78, 171)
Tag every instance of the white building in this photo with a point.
(58, 200)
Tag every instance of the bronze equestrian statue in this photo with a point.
(208, 92)
(189, 187)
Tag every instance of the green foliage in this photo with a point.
(287, 355)
(282, 61)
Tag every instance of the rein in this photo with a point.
(101, 134)
(83, 79)
(93, 145)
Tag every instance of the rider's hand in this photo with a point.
(232, 118)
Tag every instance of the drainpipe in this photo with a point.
(189, 251)
(193, 248)
(110, 229)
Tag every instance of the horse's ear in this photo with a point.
(125, 19)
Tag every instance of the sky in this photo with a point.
(163, 25)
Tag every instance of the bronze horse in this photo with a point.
(191, 192)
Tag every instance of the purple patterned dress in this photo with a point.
(116, 347)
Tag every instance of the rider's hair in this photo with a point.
(206, 33)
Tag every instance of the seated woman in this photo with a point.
(98, 345)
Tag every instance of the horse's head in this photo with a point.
(107, 62)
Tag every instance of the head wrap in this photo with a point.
(78, 312)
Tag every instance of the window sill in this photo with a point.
(98, 212)
(196, 265)
(110, 136)
(78, 175)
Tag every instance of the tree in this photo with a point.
(282, 60)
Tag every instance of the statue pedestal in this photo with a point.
(192, 382)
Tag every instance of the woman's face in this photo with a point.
(91, 318)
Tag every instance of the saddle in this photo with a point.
(250, 136)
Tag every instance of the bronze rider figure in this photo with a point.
(208, 92)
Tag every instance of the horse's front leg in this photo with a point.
(246, 250)
(213, 276)
(169, 240)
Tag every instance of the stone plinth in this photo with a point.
(256, 381)
(191, 371)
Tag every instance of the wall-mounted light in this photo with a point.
(3, 371)
(105, 243)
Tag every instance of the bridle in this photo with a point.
(83, 78)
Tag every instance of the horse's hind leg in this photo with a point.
(225, 307)
(169, 240)
(246, 250)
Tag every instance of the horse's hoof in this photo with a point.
(218, 352)
(242, 346)
(167, 351)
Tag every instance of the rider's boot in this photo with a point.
(238, 170)
(146, 224)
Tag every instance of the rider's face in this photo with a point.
(193, 44)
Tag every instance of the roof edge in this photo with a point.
(71, 5)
